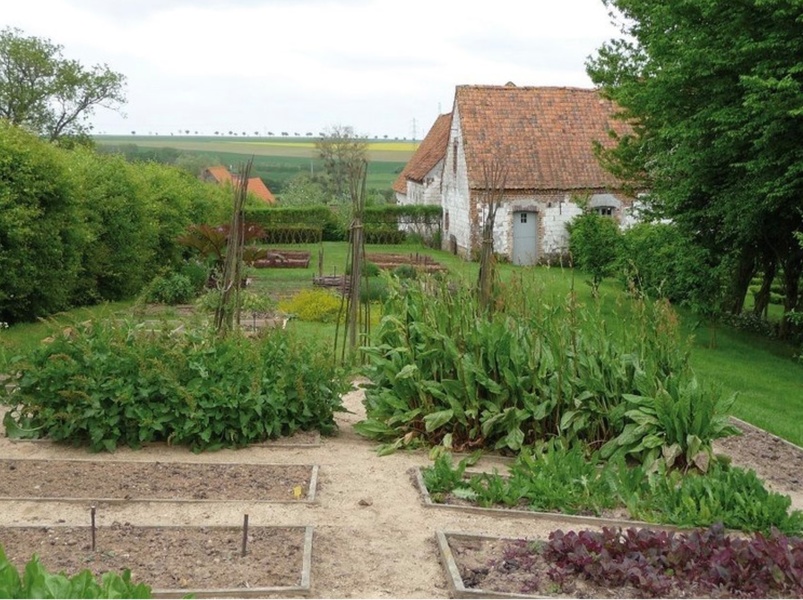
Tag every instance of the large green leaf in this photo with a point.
(437, 419)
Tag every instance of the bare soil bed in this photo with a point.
(104, 480)
(167, 557)
(774, 460)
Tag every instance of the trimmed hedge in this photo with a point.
(309, 224)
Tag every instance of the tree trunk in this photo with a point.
(792, 270)
(762, 299)
(745, 269)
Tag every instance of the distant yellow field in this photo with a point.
(383, 151)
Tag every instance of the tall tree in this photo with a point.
(343, 154)
(48, 94)
(714, 90)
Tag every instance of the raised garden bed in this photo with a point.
(452, 503)
(341, 283)
(636, 563)
(284, 259)
(564, 484)
(176, 561)
(421, 262)
(130, 481)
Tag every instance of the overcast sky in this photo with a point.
(383, 67)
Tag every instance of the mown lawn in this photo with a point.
(764, 373)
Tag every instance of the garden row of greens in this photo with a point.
(556, 478)
(106, 384)
(37, 582)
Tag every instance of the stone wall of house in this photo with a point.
(428, 192)
(459, 216)
(555, 211)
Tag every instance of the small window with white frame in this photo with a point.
(604, 211)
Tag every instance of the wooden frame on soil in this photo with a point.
(453, 578)
(301, 588)
(587, 521)
(120, 465)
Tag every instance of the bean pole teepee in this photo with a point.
(357, 315)
(229, 308)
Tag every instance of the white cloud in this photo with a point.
(306, 64)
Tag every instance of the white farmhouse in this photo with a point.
(546, 137)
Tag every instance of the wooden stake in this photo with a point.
(92, 517)
(245, 535)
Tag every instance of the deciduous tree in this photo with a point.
(48, 94)
(714, 89)
(343, 154)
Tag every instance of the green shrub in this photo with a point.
(37, 582)
(249, 302)
(384, 235)
(660, 261)
(595, 245)
(313, 305)
(103, 385)
(173, 288)
(42, 235)
(197, 273)
(293, 234)
(373, 289)
(368, 269)
(405, 272)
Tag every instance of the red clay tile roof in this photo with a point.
(547, 132)
(255, 184)
(257, 187)
(427, 155)
(220, 173)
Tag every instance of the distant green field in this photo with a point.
(276, 160)
(378, 150)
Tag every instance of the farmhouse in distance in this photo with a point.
(545, 137)
(222, 176)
